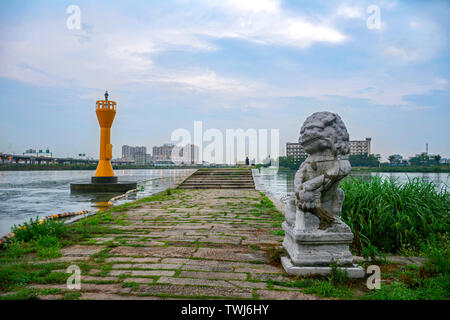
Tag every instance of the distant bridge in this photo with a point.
(6, 158)
(33, 159)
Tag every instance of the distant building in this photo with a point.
(189, 154)
(360, 146)
(148, 158)
(127, 152)
(295, 150)
(163, 153)
(138, 154)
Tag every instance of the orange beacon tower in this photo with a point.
(106, 111)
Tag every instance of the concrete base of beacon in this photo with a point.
(103, 184)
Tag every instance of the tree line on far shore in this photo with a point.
(421, 163)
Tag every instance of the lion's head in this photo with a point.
(324, 130)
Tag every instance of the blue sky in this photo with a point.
(231, 64)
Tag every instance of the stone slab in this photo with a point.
(163, 252)
(178, 290)
(213, 275)
(353, 272)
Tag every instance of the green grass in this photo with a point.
(390, 217)
(18, 275)
(414, 287)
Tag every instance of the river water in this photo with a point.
(31, 194)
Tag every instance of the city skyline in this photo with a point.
(231, 65)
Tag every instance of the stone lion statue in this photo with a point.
(325, 138)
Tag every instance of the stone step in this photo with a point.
(217, 187)
(219, 179)
(212, 176)
(222, 174)
(218, 182)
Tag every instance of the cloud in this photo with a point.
(350, 12)
(201, 81)
(441, 82)
(266, 23)
(417, 40)
(267, 6)
(122, 49)
(404, 54)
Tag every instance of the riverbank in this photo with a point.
(60, 167)
(437, 169)
(406, 169)
(201, 244)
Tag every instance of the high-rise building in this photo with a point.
(188, 154)
(360, 146)
(127, 152)
(163, 153)
(295, 150)
(138, 154)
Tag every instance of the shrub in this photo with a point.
(35, 230)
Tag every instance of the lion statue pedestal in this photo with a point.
(315, 237)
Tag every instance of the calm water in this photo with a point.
(279, 183)
(31, 194)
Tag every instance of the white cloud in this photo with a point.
(350, 12)
(113, 53)
(414, 40)
(441, 82)
(402, 53)
(266, 23)
(119, 50)
(201, 81)
(268, 6)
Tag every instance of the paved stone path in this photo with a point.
(198, 244)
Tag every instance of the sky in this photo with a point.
(262, 64)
